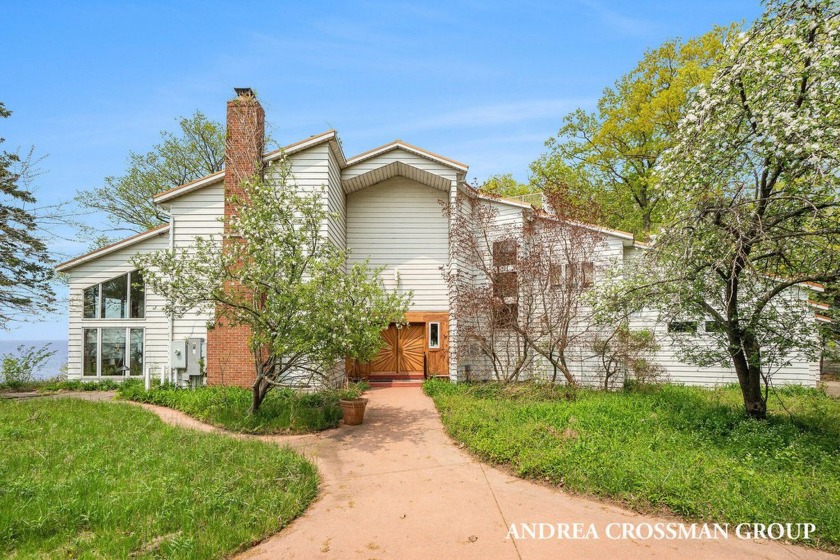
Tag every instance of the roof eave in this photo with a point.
(102, 251)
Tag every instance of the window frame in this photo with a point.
(692, 327)
(127, 353)
(505, 252)
(98, 300)
(429, 336)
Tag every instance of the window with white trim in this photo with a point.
(123, 297)
(112, 352)
(434, 335)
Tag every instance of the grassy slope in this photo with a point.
(689, 450)
(82, 479)
(282, 411)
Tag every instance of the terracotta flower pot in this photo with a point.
(353, 410)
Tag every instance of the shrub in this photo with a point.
(283, 410)
(18, 370)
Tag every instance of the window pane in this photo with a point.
(682, 327)
(90, 302)
(504, 252)
(113, 351)
(115, 298)
(506, 315)
(138, 296)
(715, 327)
(506, 285)
(587, 274)
(89, 352)
(434, 335)
(136, 352)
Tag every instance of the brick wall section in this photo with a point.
(229, 361)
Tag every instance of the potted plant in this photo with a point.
(352, 404)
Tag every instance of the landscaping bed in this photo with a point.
(110, 480)
(282, 411)
(690, 451)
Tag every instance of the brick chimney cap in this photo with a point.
(244, 92)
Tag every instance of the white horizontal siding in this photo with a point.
(104, 268)
(336, 205)
(400, 224)
(197, 214)
(799, 372)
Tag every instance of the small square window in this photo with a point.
(506, 285)
(506, 315)
(504, 252)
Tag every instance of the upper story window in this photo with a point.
(578, 275)
(506, 285)
(123, 297)
(504, 252)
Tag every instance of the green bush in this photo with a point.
(687, 449)
(80, 385)
(283, 410)
(17, 371)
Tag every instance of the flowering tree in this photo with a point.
(278, 275)
(486, 291)
(754, 180)
(519, 290)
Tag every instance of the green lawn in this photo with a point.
(688, 450)
(110, 480)
(282, 411)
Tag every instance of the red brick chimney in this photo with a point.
(229, 361)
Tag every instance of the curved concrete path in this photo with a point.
(398, 487)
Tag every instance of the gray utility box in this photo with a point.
(179, 354)
(195, 356)
(188, 355)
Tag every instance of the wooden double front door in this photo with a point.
(406, 351)
(403, 351)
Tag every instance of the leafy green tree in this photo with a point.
(279, 276)
(25, 264)
(126, 200)
(754, 178)
(607, 158)
(505, 185)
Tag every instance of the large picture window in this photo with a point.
(123, 297)
(112, 351)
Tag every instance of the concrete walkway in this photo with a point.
(398, 487)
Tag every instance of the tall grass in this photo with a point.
(689, 450)
(110, 480)
(282, 411)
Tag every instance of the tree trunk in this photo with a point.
(259, 390)
(748, 368)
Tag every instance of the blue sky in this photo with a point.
(482, 82)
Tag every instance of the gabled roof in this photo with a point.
(299, 146)
(400, 145)
(102, 251)
(395, 169)
(541, 214)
